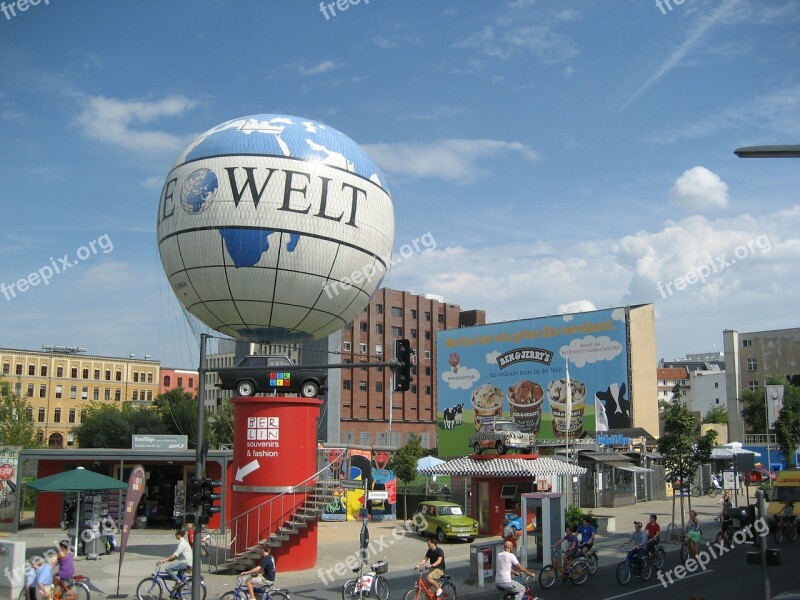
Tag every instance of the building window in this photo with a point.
(365, 438)
(716, 384)
(59, 391)
(167, 381)
(73, 392)
(362, 348)
(427, 316)
(85, 393)
(107, 394)
(108, 375)
(427, 354)
(180, 382)
(74, 372)
(413, 389)
(42, 391)
(413, 334)
(363, 326)
(379, 328)
(362, 385)
(346, 385)
(428, 371)
(717, 400)
(378, 386)
(752, 386)
(83, 415)
(97, 374)
(96, 394)
(6, 368)
(150, 378)
(43, 371)
(440, 317)
(414, 313)
(71, 416)
(119, 375)
(41, 415)
(57, 415)
(135, 395)
(427, 335)
(31, 369)
(397, 311)
(379, 309)
(149, 395)
(191, 383)
(18, 369)
(117, 394)
(135, 377)
(747, 343)
(86, 373)
(427, 390)
(28, 413)
(346, 347)
(752, 364)
(397, 332)
(30, 390)
(60, 372)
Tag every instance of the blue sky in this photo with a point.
(562, 154)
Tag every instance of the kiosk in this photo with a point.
(543, 516)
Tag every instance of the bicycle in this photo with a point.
(657, 555)
(71, 589)
(152, 588)
(633, 564)
(528, 594)
(262, 593)
(709, 490)
(370, 583)
(725, 536)
(686, 548)
(785, 527)
(577, 572)
(592, 561)
(420, 589)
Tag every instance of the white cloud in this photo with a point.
(576, 306)
(119, 122)
(699, 189)
(452, 160)
(320, 68)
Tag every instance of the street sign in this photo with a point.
(6, 471)
(159, 442)
(377, 495)
(352, 484)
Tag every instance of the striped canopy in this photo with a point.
(509, 467)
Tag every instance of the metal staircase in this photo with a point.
(295, 508)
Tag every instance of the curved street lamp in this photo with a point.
(783, 151)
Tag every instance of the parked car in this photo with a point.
(501, 436)
(444, 520)
(254, 374)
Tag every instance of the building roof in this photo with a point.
(605, 457)
(672, 373)
(507, 467)
(729, 453)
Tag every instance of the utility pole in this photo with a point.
(199, 472)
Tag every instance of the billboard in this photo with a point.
(547, 374)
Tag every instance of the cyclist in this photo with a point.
(571, 550)
(263, 574)
(66, 564)
(183, 561)
(639, 539)
(44, 578)
(653, 529)
(694, 535)
(436, 557)
(587, 531)
(506, 563)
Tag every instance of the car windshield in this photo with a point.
(445, 511)
(506, 427)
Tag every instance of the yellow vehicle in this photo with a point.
(786, 490)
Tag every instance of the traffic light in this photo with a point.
(210, 499)
(194, 499)
(402, 374)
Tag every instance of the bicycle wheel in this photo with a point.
(696, 491)
(580, 573)
(81, 591)
(382, 588)
(646, 568)
(793, 533)
(412, 593)
(233, 595)
(712, 491)
(684, 552)
(186, 592)
(547, 577)
(349, 589)
(278, 595)
(778, 533)
(624, 572)
(149, 589)
(591, 561)
(659, 556)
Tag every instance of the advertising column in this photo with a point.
(275, 450)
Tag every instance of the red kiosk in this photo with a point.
(275, 452)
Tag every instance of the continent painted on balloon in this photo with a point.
(245, 246)
(337, 159)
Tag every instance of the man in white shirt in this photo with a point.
(506, 565)
(182, 557)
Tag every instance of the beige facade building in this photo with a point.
(59, 383)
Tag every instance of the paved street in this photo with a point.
(338, 540)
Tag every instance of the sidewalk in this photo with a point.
(337, 541)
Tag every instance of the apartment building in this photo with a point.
(60, 382)
(668, 378)
(188, 381)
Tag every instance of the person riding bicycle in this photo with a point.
(653, 530)
(263, 574)
(586, 531)
(66, 564)
(436, 557)
(44, 578)
(639, 540)
(571, 550)
(507, 567)
(183, 561)
(694, 535)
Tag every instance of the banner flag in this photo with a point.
(136, 486)
(600, 416)
(774, 403)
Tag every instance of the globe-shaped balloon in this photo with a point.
(275, 228)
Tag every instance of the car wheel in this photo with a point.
(246, 388)
(310, 389)
(501, 447)
(440, 536)
(476, 447)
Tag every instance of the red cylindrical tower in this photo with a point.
(274, 451)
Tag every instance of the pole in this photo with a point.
(389, 428)
(199, 471)
(766, 426)
(762, 544)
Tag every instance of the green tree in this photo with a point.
(220, 426)
(404, 465)
(178, 410)
(16, 429)
(106, 426)
(787, 425)
(716, 414)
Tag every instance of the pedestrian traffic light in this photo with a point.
(210, 500)
(402, 374)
